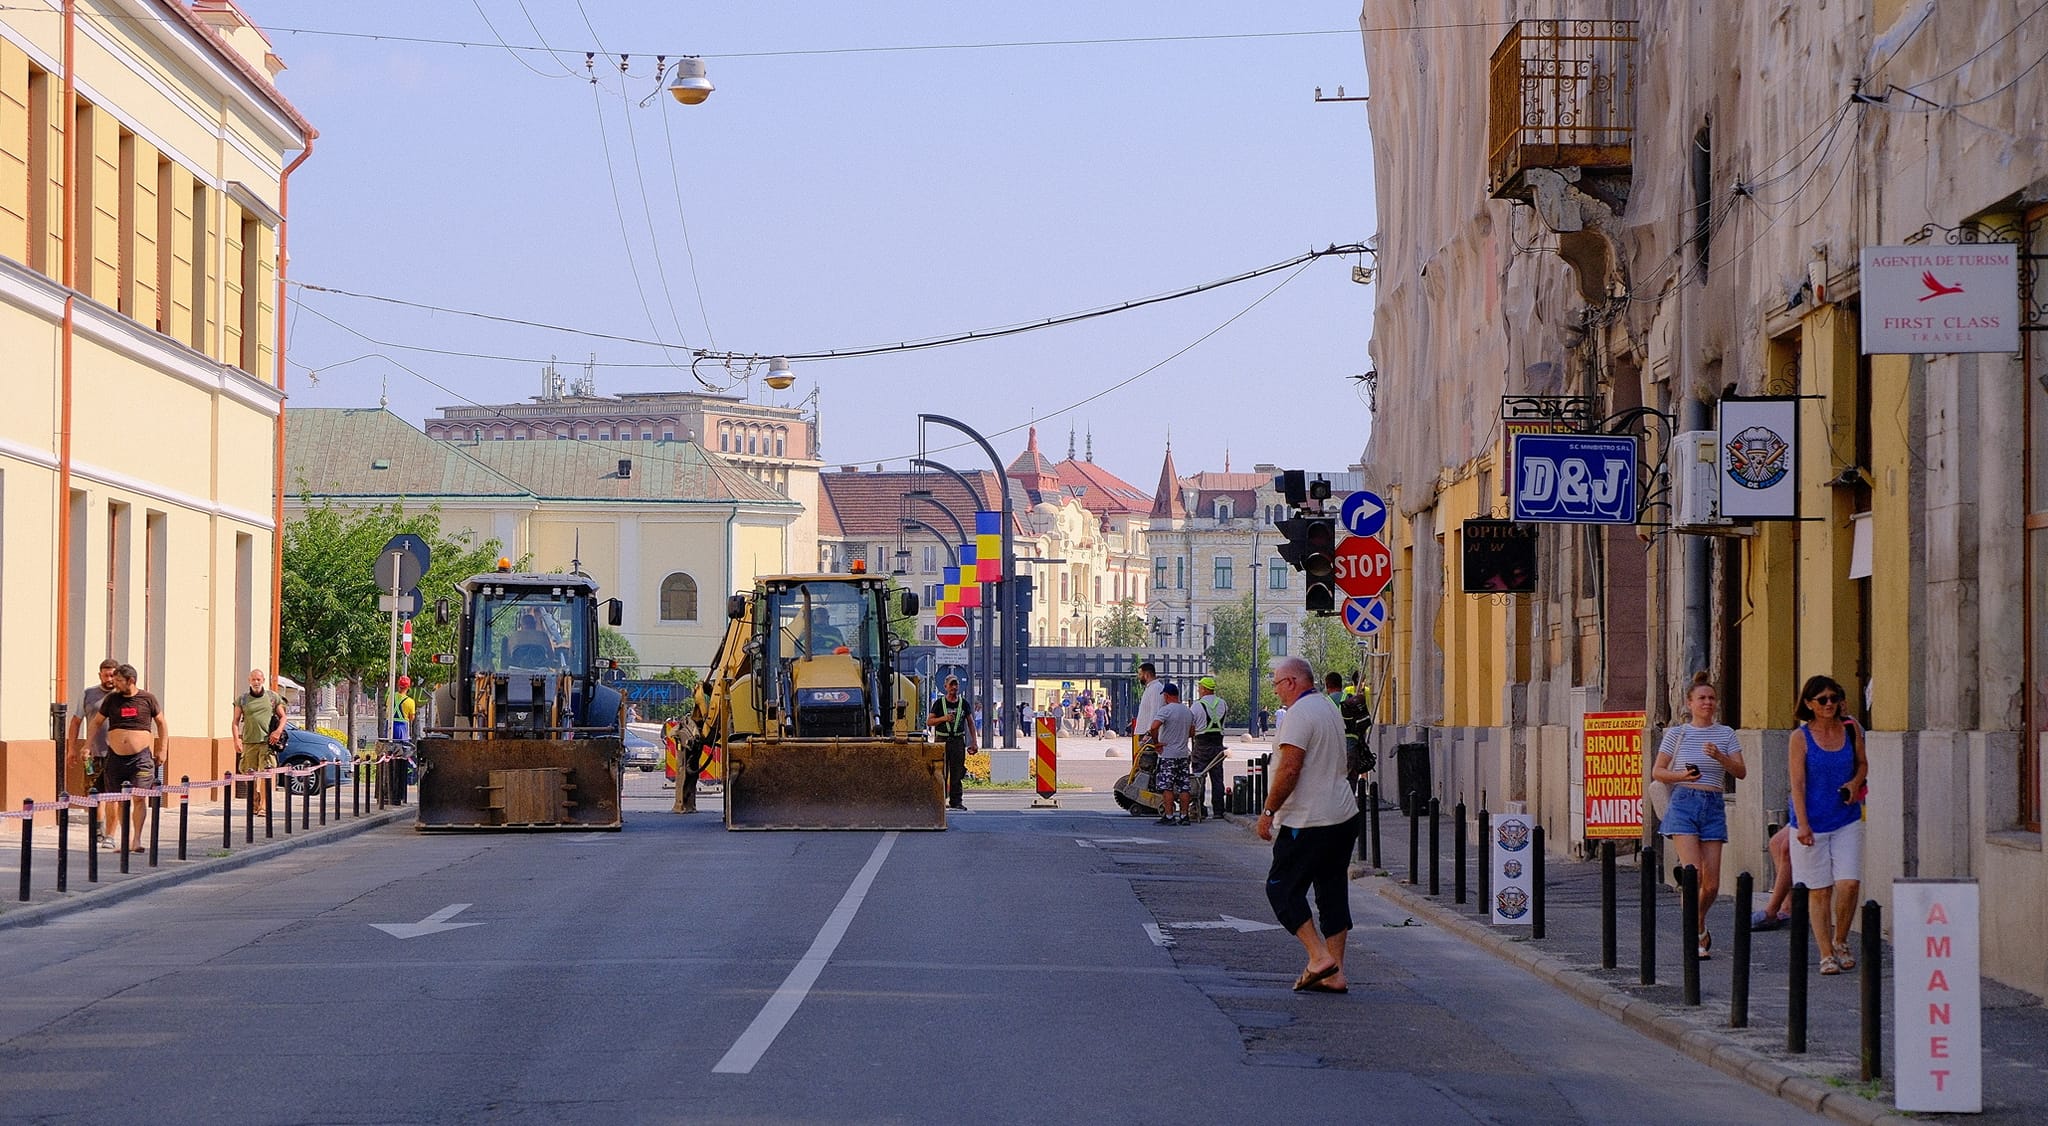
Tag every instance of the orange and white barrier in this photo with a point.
(1045, 762)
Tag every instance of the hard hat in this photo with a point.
(1208, 682)
(404, 682)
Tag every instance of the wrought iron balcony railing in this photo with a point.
(1563, 95)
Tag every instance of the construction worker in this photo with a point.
(1209, 712)
(402, 711)
(1356, 708)
(948, 719)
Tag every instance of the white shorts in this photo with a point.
(1831, 859)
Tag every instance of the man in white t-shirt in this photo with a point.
(1312, 819)
(1148, 702)
(1173, 725)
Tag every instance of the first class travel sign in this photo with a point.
(1936, 299)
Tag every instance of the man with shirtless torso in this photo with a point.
(136, 738)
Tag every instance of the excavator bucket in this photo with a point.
(512, 783)
(835, 784)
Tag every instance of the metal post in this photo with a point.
(63, 844)
(1536, 881)
(57, 736)
(1364, 831)
(1738, 986)
(1436, 849)
(1872, 982)
(287, 800)
(127, 816)
(1007, 592)
(1647, 924)
(184, 813)
(156, 827)
(249, 813)
(322, 776)
(1251, 719)
(1688, 934)
(1485, 859)
(1458, 847)
(306, 804)
(355, 791)
(1795, 983)
(227, 811)
(28, 842)
(270, 804)
(92, 840)
(1609, 955)
(1414, 838)
(1373, 811)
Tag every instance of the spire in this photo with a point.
(1091, 441)
(1226, 459)
(1070, 442)
(1031, 469)
(1166, 503)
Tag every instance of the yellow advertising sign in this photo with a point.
(1614, 774)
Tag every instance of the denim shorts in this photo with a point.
(1696, 813)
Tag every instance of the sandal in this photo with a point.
(1706, 946)
(1843, 958)
(1829, 966)
(1310, 978)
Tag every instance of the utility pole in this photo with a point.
(1252, 708)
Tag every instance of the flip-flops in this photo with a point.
(1323, 987)
(1310, 978)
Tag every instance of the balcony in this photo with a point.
(1562, 96)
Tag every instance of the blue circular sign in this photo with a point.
(1363, 514)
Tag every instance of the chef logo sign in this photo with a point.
(1575, 479)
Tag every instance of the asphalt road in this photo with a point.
(1008, 970)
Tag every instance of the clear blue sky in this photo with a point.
(841, 198)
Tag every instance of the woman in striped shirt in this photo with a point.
(1696, 758)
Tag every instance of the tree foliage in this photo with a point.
(1124, 627)
(1329, 647)
(1238, 646)
(614, 644)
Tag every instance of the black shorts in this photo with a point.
(1317, 858)
(116, 771)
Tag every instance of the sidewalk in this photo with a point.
(205, 849)
(1826, 1078)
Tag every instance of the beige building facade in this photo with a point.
(143, 156)
(1663, 214)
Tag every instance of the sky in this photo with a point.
(864, 174)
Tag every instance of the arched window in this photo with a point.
(781, 440)
(1222, 509)
(679, 598)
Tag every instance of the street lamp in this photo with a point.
(691, 86)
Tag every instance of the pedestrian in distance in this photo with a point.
(1312, 819)
(137, 738)
(1695, 760)
(1828, 770)
(1173, 727)
(92, 753)
(948, 720)
(1210, 711)
(258, 715)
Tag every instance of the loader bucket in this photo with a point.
(511, 783)
(835, 784)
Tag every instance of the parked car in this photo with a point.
(642, 752)
(310, 748)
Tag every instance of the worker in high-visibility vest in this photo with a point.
(949, 720)
(1209, 712)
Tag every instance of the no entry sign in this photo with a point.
(951, 630)
(1364, 566)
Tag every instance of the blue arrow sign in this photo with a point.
(1364, 615)
(1363, 514)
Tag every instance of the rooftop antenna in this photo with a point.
(384, 394)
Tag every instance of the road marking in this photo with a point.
(1157, 931)
(1097, 842)
(768, 1023)
(432, 924)
(1159, 937)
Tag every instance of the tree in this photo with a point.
(900, 626)
(613, 643)
(1329, 647)
(1124, 628)
(1239, 646)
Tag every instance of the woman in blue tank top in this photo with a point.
(1828, 770)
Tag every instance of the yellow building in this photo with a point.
(143, 163)
(1661, 218)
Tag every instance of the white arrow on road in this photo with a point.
(1095, 842)
(432, 924)
(1157, 931)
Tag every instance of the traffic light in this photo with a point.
(1319, 563)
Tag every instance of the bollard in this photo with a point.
(184, 811)
(63, 843)
(1648, 921)
(1414, 807)
(1435, 848)
(270, 804)
(1372, 791)
(227, 811)
(127, 815)
(322, 776)
(1485, 860)
(28, 842)
(1738, 985)
(1795, 986)
(156, 826)
(306, 804)
(1688, 934)
(287, 790)
(1364, 828)
(92, 838)
(383, 791)
(1609, 939)
(249, 814)
(1536, 884)
(355, 787)
(1458, 847)
(1872, 971)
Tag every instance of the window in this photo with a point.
(1223, 572)
(1276, 575)
(1180, 573)
(931, 559)
(1276, 638)
(1159, 571)
(724, 440)
(679, 598)
(1064, 594)
(605, 434)
(781, 441)
(1223, 509)
(1098, 588)
(668, 435)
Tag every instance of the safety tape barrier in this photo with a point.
(92, 801)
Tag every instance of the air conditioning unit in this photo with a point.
(1696, 480)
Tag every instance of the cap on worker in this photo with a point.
(1170, 689)
(1208, 682)
(404, 682)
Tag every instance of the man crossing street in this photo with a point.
(948, 720)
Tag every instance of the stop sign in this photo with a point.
(951, 630)
(1364, 566)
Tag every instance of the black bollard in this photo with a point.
(127, 816)
(1795, 985)
(1485, 861)
(1458, 848)
(1435, 848)
(287, 790)
(1688, 934)
(156, 827)
(1414, 806)
(249, 814)
(1373, 812)
(1648, 921)
(1738, 985)
(378, 767)
(63, 843)
(28, 842)
(322, 776)
(184, 811)
(1872, 969)
(1364, 829)
(270, 803)
(306, 804)
(1609, 939)
(92, 839)
(1536, 884)
(227, 812)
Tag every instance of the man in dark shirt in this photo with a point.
(949, 718)
(136, 737)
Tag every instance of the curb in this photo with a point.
(1716, 1051)
(36, 914)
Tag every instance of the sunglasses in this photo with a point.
(1827, 698)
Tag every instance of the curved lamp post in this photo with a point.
(1006, 587)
